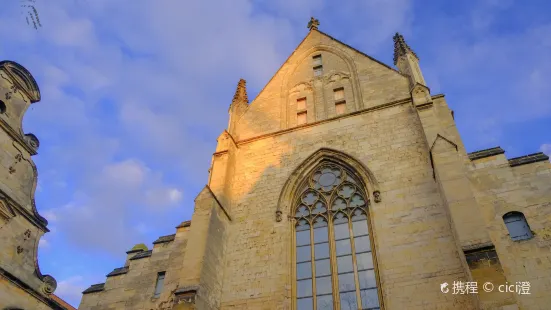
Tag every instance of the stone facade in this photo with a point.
(22, 285)
(435, 213)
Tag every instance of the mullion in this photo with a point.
(321, 256)
(312, 259)
(347, 286)
(373, 286)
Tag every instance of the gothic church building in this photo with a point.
(345, 185)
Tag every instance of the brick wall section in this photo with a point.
(527, 189)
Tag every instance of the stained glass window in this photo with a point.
(334, 260)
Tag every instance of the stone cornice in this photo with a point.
(142, 254)
(287, 130)
(486, 153)
(165, 239)
(32, 218)
(184, 224)
(118, 271)
(528, 159)
(94, 288)
(24, 286)
(17, 137)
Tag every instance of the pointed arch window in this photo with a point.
(333, 250)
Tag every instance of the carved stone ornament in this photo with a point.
(377, 196)
(27, 234)
(6, 212)
(32, 141)
(278, 216)
(18, 159)
(313, 23)
(49, 285)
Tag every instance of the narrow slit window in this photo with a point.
(301, 104)
(517, 226)
(340, 102)
(318, 71)
(338, 94)
(301, 118)
(159, 284)
(317, 60)
(340, 107)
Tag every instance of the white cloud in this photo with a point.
(163, 197)
(128, 173)
(70, 289)
(43, 244)
(546, 148)
(49, 215)
(103, 215)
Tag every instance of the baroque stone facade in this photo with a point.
(345, 185)
(22, 285)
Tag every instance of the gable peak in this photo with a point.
(401, 48)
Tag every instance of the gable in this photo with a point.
(365, 81)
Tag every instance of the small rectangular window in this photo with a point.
(317, 60)
(301, 104)
(517, 226)
(340, 107)
(338, 94)
(318, 71)
(159, 284)
(301, 118)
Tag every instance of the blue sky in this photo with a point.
(135, 93)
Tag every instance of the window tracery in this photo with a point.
(334, 260)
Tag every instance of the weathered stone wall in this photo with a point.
(21, 283)
(367, 83)
(14, 297)
(410, 226)
(197, 271)
(526, 188)
(135, 288)
(210, 285)
(486, 267)
(18, 250)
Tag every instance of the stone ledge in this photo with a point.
(142, 255)
(184, 224)
(527, 159)
(118, 271)
(486, 153)
(164, 239)
(94, 288)
(187, 289)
